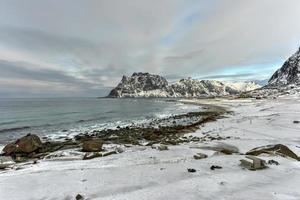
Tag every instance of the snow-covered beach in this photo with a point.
(146, 173)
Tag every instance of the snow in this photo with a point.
(243, 86)
(288, 73)
(145, 173)
(149, 85)
(196, 88)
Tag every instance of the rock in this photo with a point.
(221, 147)
(26, 145)
(160, 147)
(94, 145)
(119, 150)
(52, 146)
(5, 162)
(213, 167)
(199, 156)
(79, 197)
(89, 156)
(92, 155)
(19, 159)
(289, 73)
(277, 149)
(253, 163)
(296, 122)
(191, 170)
(109, 153)
(195, 139)
(273, 162)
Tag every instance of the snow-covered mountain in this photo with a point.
(148, 85)
(139, 85)
(285, 81)
(289, 73)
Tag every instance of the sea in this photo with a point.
(56, 118)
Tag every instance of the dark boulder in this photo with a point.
(277, 149)
(24, 145)
(94, 145)
(191, 170)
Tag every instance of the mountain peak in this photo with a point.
(149, 85)
(289, 73)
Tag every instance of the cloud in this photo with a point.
(223, 76)
(20, 76)
(91, 44)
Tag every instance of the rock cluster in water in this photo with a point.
(149, 85)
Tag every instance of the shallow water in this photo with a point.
(57, 117)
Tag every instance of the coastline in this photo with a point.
(143, 172)
(167, 130)
(73, 116)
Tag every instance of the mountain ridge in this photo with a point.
(289, 73)
(149, 85)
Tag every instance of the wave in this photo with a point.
(91, 119)
(14, 129)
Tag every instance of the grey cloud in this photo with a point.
(91, 44)
(184, 57)
(19, 70)
(228, 76)
(46, 82)
(238, 33)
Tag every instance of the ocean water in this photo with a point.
(56, 117)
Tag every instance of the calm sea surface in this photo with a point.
(55, 117)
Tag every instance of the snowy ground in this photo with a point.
(144, 173)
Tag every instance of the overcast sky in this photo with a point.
(83, 47)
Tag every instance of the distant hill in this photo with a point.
(149, 85)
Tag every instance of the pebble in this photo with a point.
(213, 167)
(191, 170)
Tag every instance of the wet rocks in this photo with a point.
(277, 149)
(159, 131)
(25, 145)
(296, 122)
(94, 145)
(200, 156)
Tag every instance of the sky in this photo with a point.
(67, 48)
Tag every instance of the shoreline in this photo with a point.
(168, 131)
(144, 172)
(83, 121)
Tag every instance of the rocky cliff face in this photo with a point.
(196, 88)
(139, 83)
(285, 81)
(148, 85)
(289, 73)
